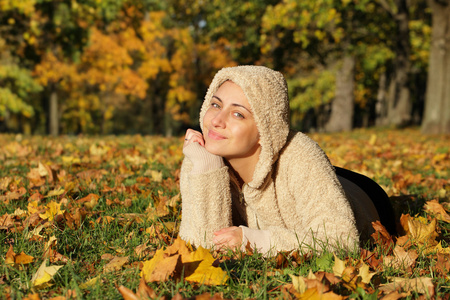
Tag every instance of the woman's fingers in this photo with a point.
(230, 237)
(193, 136)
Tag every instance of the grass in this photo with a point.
(133, 174)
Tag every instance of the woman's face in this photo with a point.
(229, 128)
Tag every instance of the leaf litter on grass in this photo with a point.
(103, 213)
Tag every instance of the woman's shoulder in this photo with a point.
(299, 143)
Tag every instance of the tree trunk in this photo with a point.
(53, 113)
(399, 100)
(437, 103)
(342, 107)
(381, 104)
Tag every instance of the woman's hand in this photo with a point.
(228, 238)
(193, 136)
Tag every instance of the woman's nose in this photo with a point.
(219, 119)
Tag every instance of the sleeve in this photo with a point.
(323, 218)
(206, 203)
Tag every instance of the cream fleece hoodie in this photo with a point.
(295, 199)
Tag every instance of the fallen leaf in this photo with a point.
(127, 294)
(10, 255)
(339, 266)
(365, 274)
(402, 259)
(56, 192)
(90, 282)
(395, 295)
(23, 259)
(44, 275)
(115, 264)
(435, 208)
(52, 209)
(197, 266)
(421, 285)
(381, 236)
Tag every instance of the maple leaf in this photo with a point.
(17, 260)
(435, 208)
(90, 201)
(56, 192)
(52, 209)
(196, 266)
(381, 236)
(143, 292)
(43, 276)
(13, 195)
(402, 259)
(421, 285)
(115, 264)
(419, 231)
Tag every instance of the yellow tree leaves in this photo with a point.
(179, 261)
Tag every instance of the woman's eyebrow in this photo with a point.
(234, 104)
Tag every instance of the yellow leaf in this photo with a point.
(206, 273)
(33, 206)
(177, 259)
(9, 258)
(339, 266)
(23, 259)
(150, 265)
(56, 192)
(435, 208)
(44, 274)
(52, 209)
(364, 273)
(156, 176)
(299, 283)
(90, 282)
(115, 264)
(42, 170)
(422, 233)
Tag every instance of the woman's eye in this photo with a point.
(215, 105)
(239, 115)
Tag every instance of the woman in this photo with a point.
(247, 180)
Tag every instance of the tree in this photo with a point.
(437, 107)
(326, 36)
(398, 104)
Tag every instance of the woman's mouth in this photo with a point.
(215, 136)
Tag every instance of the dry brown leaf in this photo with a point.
(381, 236)
(435, 208)
(421, 285)
(145, 291)
(402, 259)
(115, 264)
(13, 195)
(10, 255)
(395, 295)
(34, 296)
(127, 294)
(90, 201)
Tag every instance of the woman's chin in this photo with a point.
(213, 149)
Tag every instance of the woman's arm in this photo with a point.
(206, 197)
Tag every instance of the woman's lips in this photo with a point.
(215, 136)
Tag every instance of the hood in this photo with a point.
(266, 91)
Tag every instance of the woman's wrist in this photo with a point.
(202, 160)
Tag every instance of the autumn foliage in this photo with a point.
(84, 217)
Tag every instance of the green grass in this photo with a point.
(123, 190)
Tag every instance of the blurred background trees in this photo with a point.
(129, 66)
